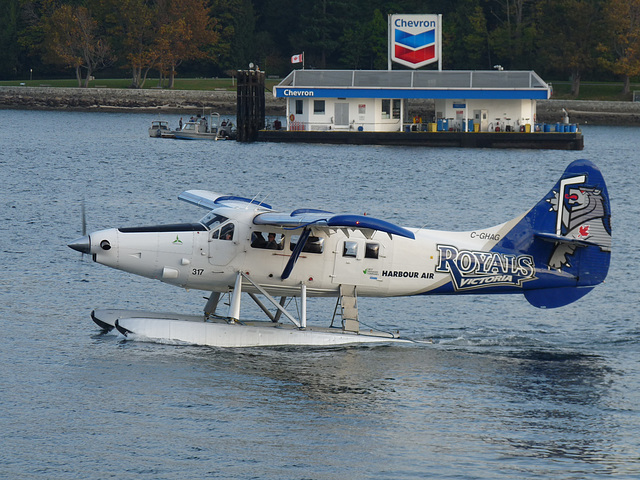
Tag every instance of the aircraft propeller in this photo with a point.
(82, 244)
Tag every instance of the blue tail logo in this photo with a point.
(581, 215)
(568, 234)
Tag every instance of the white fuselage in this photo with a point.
(209, 259)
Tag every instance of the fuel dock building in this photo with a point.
(472, 109)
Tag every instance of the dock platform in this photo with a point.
(534, 140)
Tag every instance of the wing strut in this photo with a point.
(302, 241)
(238, 290)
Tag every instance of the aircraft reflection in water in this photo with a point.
(553, 254)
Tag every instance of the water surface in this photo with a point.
(498, 389)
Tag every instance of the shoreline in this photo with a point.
(582, 112)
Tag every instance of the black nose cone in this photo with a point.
(82, 244)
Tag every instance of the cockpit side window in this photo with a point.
(267, 240)
(224, 233)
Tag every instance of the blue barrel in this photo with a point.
(546, 128)
(439, 124)
(559, 127)
(573, 128)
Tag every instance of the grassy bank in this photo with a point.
(603, 91)
(151, 83)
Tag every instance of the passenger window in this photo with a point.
(350, 249)
(372, 250)
(313, 245)
(267, 240)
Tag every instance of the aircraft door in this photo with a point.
(341, 114)
(359, 262)
(222, 244)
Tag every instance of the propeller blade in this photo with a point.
(84, 219)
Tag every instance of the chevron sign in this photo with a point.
(415, 40)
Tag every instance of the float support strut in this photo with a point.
(303, 306)
(234, 305)
(212, 303)
(266, 295)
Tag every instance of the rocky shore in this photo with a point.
(224, 102)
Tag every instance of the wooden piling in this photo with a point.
(250, 104)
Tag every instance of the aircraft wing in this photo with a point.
(301, 218)
(320, 218)
(212, 200)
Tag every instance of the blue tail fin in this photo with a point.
(568, 234)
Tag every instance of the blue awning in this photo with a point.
(418, 84)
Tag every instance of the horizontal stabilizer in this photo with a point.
(550, 237)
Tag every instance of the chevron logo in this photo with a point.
(414, 39)
(416, 56)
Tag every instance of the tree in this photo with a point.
(622, 53)
(323, 25)
(465, 36)
(9, 39)
(365, 45)
(227, 13)
(513, 32)
(185, 31)
(130, 26)
(569, 33)
(71, 38)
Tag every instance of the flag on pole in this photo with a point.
(298, 58)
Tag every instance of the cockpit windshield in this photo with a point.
(213, 220)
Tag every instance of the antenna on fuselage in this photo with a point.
(253, 199)
(264, 199)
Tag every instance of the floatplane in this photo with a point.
(553, 254)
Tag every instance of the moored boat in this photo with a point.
(201, 128)
(160, 128)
